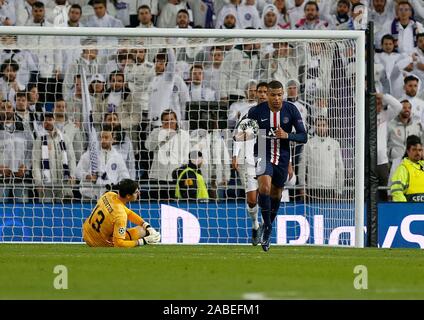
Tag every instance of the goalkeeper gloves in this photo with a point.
(151, 239)
(149, 229)
(152, 236)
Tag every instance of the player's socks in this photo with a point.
(275, 205)
(253, 213)
(264, 201)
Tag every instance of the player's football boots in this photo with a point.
(266, 237)
(256, 235)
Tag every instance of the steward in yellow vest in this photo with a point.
(190, 183)
(408, 179)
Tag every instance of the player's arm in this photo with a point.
(170, 65)
(399, 184)
(119, 233)
(300, 136)
(139, 221)
(134, 217)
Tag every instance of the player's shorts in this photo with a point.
(278, 173)
(248, 177)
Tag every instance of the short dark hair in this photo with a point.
(126, 187)
(38, 4)
(412, 140)
(275, 84)
(183, 10)
(106, 127)
(94, 2)
(419, 35)
(160, 56)
(196, 66)
(7, 63)
(76, 6)
(410, 78)
(21, 94)
(346, 2)
(311, 3)
(116, 73)
(167, 112)
(110, 114)
(262, 84)
(387, 37)
(144, 6)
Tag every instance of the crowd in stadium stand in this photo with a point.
(137, 93)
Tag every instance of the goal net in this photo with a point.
(83, 111)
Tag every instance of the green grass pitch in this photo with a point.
(208, 272)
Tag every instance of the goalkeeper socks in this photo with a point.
(253, 213)
(275, 205)
(264, 201)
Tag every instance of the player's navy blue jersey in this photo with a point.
(278, 150)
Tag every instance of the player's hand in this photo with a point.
(146, 226)
(234, 163)
(281, 134)
(290, 171)
(151, 231)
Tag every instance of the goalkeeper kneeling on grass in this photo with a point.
(107, 224)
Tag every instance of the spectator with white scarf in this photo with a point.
(112, 168)
(53, 163)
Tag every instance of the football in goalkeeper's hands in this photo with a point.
(247, 129)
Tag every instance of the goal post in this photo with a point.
(348, 133)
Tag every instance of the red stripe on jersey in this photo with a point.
(277, 142)
(272, 125)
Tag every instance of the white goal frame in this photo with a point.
(358, 36)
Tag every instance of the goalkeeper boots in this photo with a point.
(266, 237)
(256, 235)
